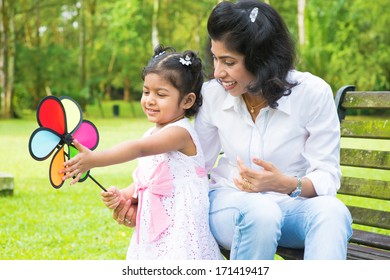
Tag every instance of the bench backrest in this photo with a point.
(375, 189)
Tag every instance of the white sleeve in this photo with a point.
(322, 149)
(207, 132)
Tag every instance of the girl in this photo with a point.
(170, 183)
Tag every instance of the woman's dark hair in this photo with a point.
(265, 42)
(183, 70)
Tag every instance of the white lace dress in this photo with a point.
(179, 228)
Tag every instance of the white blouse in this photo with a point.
(301, 137)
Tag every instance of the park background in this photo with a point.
(93, 51)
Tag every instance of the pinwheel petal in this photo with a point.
(42, 143)
(87, 134)
(57, 163)
(72, 113)
(50, 114)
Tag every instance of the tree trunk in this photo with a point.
(127, 96)
(38, 72)
(301, 21)
(10, 62)
(83, 72)
(126, 91)
(3, 50)
(155, 40)
(7, 57)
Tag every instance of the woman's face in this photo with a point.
(229, 68)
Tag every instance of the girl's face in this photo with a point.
(160, 100)
(229, 68)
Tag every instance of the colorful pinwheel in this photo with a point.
(60, 120)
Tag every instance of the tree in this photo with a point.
(7, 57)
(301, 21)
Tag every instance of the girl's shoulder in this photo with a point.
(184, 123)
(187, 124)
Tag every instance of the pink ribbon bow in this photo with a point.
(159, 184)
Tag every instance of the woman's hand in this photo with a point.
(126, 213)
(268, 179)
(76, 166)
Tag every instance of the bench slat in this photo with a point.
(365, 188)
(373, 129)
(289, 253)
(370, 217)
(359, 252)
(367, 99)
(371, 239)
(365, 158)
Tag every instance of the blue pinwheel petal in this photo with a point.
(42, 143)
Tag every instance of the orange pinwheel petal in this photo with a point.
(55, 166)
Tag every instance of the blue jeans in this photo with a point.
(252, 225)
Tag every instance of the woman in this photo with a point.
(276, 182)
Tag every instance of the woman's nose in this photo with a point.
(219, 71)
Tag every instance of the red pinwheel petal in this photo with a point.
(50, 114)
(87, 134)
(55, 166)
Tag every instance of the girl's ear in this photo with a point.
(188, 100)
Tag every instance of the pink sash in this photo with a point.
(159, 184)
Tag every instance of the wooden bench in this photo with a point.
(371, 212)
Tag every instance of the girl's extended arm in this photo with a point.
(169, 139)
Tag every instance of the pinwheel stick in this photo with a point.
(93, 179)
(97, 183)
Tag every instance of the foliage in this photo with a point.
(346, 43)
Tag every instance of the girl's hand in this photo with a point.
(112, 197)
(268, 179)
(76, 166)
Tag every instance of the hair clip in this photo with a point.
(161, 53)
(185, 61)
(253, 14)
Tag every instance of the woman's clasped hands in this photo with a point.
(268, 179)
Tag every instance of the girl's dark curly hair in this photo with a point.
(266, 44)
(166, 62)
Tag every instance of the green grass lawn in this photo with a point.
(42, 223)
